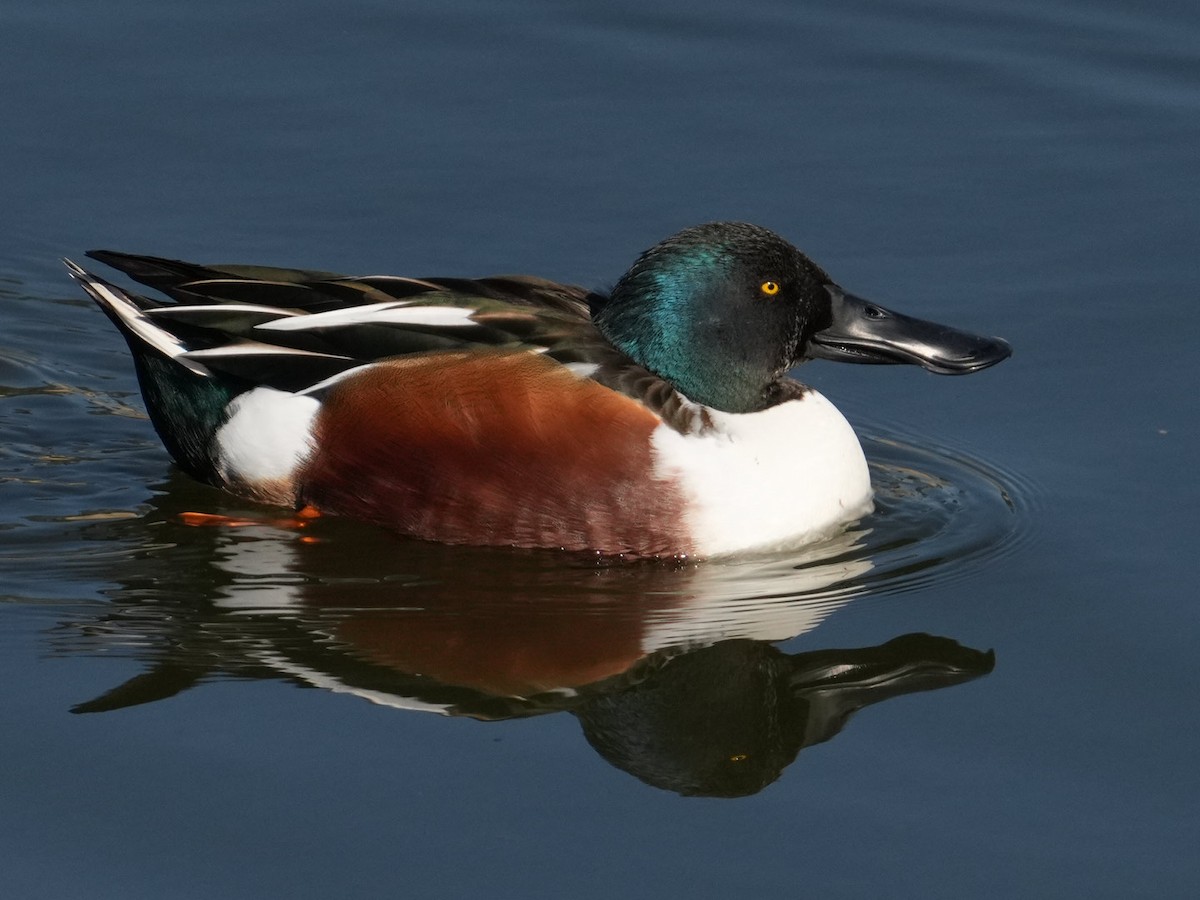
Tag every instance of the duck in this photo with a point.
(655, 419)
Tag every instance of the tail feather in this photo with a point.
(154, 271)
(172, 276)
(185, 399)
(129, 315)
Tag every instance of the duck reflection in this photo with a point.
(726, 720)
(669, 667)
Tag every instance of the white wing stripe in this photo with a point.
(400, 313)
(332, 379)
(254, 348)
(170, 312)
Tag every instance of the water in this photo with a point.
(265, 711)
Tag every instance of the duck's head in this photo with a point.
(723, 310)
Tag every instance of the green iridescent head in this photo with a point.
(719, 310)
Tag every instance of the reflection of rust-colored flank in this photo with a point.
(500, 654)
(501, 448)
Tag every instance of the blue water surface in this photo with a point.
(240, 712)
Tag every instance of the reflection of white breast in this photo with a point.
(782, 477)
(261, 561)
(764, 599)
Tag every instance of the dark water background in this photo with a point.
(1024, 169)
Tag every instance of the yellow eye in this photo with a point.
(770, 288)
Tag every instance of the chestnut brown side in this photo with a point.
(494, 448)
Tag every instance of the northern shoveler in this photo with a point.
(653, 420)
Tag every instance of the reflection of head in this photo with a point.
(724, 721)
(716, 722)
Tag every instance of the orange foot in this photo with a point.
(300, 519)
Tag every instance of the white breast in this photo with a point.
(757, 481)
